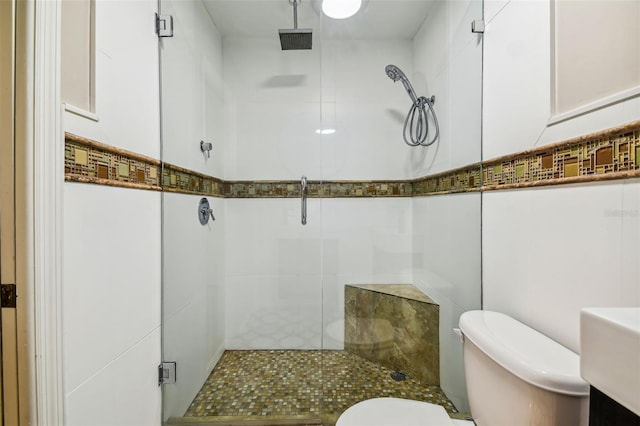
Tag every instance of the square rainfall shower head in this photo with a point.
(295, 38)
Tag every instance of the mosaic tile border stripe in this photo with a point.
(178, 179)
(466, 179)
(93, 162)
(611, 154)
(607, 155)
(317, 189)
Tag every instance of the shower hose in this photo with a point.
(416, 125)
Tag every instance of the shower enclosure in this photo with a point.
(256, 277)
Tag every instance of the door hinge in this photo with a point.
(164, 25)
(477, 26)
(166, 373)
(8, 295)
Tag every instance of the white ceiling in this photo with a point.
(377, 19)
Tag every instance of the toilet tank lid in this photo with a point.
(523, 351)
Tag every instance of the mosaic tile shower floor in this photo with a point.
(301, 383)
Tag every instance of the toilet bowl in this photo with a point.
(533, 378)
(514, 374)
(396, 412)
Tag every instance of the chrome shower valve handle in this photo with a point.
(205, 211)
(208, 212)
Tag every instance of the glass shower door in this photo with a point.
(242, 293)
(193, 297)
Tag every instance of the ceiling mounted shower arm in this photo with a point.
(295, 13)
(295, 38)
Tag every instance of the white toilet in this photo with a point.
(515, 376)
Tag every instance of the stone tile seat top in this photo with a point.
(406, 291)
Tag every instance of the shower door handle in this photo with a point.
(303, 199)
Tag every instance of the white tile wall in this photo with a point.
(124, 392)
(111, 300)
(192, 89)
(353, 70)
(550, 252)
(368, 141)
(431, 48)
(273, 141)
(283, 76)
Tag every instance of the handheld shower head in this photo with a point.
(416, 125)
(395, 74)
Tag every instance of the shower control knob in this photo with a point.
(205, 211)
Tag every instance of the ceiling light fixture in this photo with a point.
(340, 9)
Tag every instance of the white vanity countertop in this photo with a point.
(610, 353)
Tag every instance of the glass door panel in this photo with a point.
(242, 295)
(429, 244)
(193, 254)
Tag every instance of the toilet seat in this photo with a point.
(394, 412)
